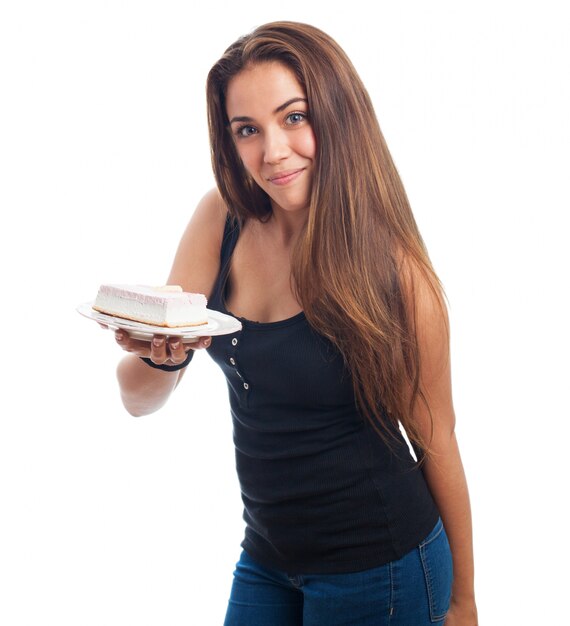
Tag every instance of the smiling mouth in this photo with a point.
(285, 177)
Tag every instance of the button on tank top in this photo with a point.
(322, 492)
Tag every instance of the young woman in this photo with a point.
(310, 241)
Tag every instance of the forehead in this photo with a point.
(260, 88)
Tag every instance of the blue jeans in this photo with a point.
(412, 591)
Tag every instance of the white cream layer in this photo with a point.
(152, 305)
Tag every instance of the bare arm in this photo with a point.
(145, 389)
(444, 472)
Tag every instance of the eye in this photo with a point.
(296, 118)
(246, 131)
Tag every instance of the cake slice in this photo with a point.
(167, 306)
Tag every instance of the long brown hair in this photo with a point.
(347, 265)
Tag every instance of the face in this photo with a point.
(268, 113)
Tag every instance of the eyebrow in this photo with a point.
(281, 107)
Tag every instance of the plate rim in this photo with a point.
(229, 324)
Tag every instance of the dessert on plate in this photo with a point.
(167, 306)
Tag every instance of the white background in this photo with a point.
(108, 519)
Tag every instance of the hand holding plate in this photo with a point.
(160, 349)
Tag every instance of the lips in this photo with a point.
(281, 178)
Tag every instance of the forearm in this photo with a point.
(448, 485)
(143, 388)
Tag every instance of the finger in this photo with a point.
(124, 340)
(176, 350)
(203, 342)
(122, 337)
(134, 346)
(104, 326)
(158, 352)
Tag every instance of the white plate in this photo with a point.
(218, 324)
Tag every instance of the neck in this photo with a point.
(288, 224)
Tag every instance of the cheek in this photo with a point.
(307, 145)
(248, 157)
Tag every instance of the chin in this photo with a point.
(289, 207)
(292, 204)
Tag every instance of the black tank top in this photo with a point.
(322, 493)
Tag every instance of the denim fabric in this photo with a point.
(412, 591)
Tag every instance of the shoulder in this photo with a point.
(421, 287)
(197, 260)
(427, 313)
(210, 215)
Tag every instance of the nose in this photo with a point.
(276, 146)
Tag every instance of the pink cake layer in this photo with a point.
(152, 305)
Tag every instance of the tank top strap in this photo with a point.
(229, 240)
(231, 235)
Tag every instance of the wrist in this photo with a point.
(463, 591)
(464, 600)
(168, 365)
